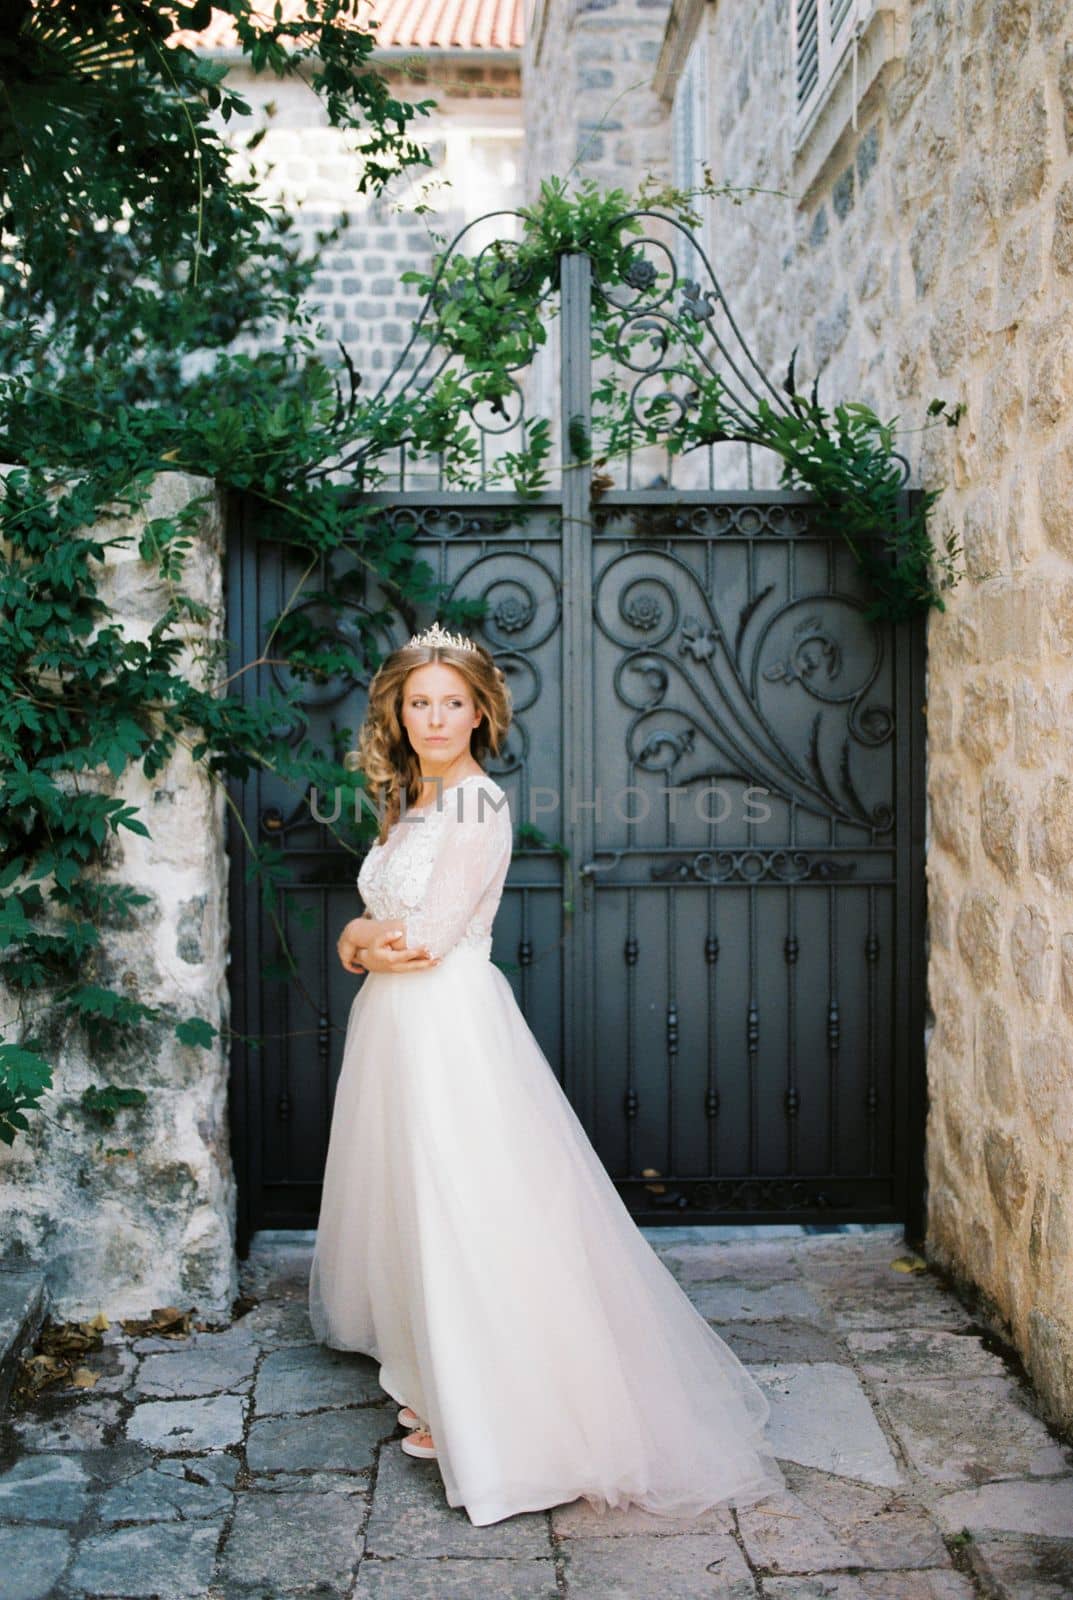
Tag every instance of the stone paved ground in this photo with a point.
(249, 1462)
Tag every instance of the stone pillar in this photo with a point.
(139, 1214)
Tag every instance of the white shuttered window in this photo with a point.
(824, 32)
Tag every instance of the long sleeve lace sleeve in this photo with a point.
(466, 881)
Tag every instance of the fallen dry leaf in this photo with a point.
(909, 1264)
(83, 1378)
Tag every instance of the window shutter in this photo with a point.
(822, 31)
(807, 48)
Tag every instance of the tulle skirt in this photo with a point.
(471, 1242)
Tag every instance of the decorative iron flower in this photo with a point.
(643, 611)
(640, 273)
(512, 613)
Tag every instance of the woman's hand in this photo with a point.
(388, 953)
(352, 941)
(366, 945)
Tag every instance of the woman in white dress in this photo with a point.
(470, 1238)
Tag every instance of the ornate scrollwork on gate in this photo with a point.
(690, 677)
(753, 866)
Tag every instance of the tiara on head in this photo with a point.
(436, 635)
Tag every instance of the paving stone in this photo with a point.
(44, 1488)
(410, 1517)
(278, 1264)
(1043, 1506)
(873, 1586)
(457, 1580)
(31, 1560)
(969, 1432)
(821, 1523)
(753, 1263)
(215, 1363)
(923, 1353)
(343, 1440)
(580, 1520)
(682, 1567)
(730, 1301)
(113, 1366)
(870, 1243)
(82, 1424)
(309, 1377)
(311, 1483)
(277, 1323)
(183, 1425)
(192, 1375)
(293, 1542)
(910, 1302)
(822, 1417)
(754, 1342)
(867, 1271)
(113, 1463)
(159, 1563)
(1024, 1569)
(172, 1491)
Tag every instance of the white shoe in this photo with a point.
(426, 1451)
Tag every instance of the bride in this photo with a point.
(469, 1237)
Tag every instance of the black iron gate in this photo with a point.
(717, 933)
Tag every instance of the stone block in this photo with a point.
(1050, 386)
(1007, 1175)
(1056, 497)
(174, 1490)
(1027, 1568)
(44, 1488)
(979, 935)
(976, 1430)
(32, 1561)
(182, 1425)
(148, 1563)
(922, 1353)
(286, 1540)
(728, 1301)
(1062, 243)
(986, 716)
(458, 1579)
(214, 1363)
(950, 816)
(824, 1524)
(821, 1417)
(1050, 831)
(410, 1517)
(326, 1441)
(1000, 825)
(926, 243)
(1032, 953)
(1023, 149)
(678, 1568)
(311, 1378)
(1065, 85)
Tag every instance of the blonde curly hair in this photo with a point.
(384, 753)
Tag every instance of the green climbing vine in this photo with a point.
(95, 403)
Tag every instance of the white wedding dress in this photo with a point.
(472, 1242)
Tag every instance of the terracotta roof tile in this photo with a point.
(401, 25)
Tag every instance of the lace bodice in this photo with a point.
(441, 869)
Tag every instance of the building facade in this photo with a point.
(911, 234)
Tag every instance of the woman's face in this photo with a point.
(439, 714)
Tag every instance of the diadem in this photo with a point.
(436, 635)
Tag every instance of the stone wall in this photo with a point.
(141, 1214)
(929, 252)
(590, 107)
(474, 136)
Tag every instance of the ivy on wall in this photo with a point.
(97, 396)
